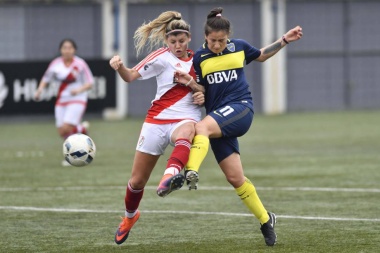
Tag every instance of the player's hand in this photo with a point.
(37, 95)
(74, 92)
(181, 77)
(198, 98)
(294, 34)
(116, 62)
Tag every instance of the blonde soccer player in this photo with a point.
(173, 113)
(75, 79)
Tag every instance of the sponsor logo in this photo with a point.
(178, 65)
(3, 90)
(231, 47)
(223, 76)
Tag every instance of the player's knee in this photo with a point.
(201, 128)
(187, 132)
(137, 183)
(235, 181)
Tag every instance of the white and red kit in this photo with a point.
(68, 108)
(173, 103)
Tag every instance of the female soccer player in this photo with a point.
(75, 79)
(219, 68)
(172, 116)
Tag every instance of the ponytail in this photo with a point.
(216, 22)
(155, 32)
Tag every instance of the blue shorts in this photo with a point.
(234, 120)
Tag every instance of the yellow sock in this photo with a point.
(248, 195)
(198, 152)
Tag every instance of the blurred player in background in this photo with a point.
(172, 116)
(219, 67)
(75, 79)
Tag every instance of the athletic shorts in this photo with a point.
(70, 114)
(154, 138)
(234, 120)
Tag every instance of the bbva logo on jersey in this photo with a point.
(219, 77)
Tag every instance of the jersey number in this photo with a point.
(226, 110)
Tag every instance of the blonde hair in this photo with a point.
(155, 32)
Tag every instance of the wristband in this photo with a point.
(283, 38)
(188, 83)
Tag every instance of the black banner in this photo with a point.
(19, 81)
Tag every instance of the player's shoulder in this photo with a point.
(201, 52)
(56, 61)
(79, 59)
(238, 43)
(158, 53)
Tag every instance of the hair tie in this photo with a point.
(218, 15)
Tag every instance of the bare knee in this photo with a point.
(235, 180)
(137, 183)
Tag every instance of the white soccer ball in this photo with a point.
(79, 150)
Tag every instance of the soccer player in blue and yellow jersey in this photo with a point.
(219, 65)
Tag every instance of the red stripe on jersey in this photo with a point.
(65, 83)
(71, 102)
(171, 97)
(150, 57)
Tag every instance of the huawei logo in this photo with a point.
(3, 90)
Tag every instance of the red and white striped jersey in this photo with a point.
(71, 77)
(173, 102)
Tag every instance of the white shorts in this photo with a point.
(70, 114)
(154, 138)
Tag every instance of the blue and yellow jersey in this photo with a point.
(223, 74)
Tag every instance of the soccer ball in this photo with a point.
(79, 150)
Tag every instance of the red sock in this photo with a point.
(132, 198)
(180, 154)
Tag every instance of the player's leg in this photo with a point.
(72, 120)
(150, 146)
(180, 136)
(233, 170)
(143, 165)
(205, 129)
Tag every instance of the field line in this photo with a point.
(73, 210)
(201, 188)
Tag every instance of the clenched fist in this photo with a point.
(116, 62)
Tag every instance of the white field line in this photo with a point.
(73, 210)
(201, 188)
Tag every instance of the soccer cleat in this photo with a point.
(125, 227)
(170, 183)
(268, 230)
(65, 163)
(86, 127)
(192, 179)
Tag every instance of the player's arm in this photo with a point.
(88, 81)
(186, 79)
(270, 50)
(41, 87)
(128, 75)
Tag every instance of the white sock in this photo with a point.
(171, 171)
(130, 215)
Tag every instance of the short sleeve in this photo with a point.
(87, 74)
(49, 74)
(150, 68)
(250, 52)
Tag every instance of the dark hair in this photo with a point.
(217, 22)
(70, 41)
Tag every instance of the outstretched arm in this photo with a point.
(125, 73)
(270, 50)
